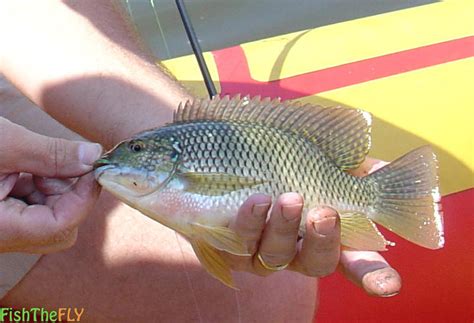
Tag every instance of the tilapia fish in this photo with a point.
(193, 174)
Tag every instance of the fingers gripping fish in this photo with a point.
(193, 174)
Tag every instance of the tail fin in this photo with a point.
(408, 198)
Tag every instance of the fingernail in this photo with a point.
(325, 225)
(291, 212)
(89, 153)
(385, 282)
(390, 295)
(259, 210)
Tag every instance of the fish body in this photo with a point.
(193, 174)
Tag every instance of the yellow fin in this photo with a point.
(216, 183)
(359, 232)
(221, 238)
(213, 262)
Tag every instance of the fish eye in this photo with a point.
(136, 146)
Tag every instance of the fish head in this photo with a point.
(138, 166)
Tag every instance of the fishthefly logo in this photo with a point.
(37, 314)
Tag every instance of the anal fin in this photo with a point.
(213, 262)
(359, 232)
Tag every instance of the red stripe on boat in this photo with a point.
(234, 74)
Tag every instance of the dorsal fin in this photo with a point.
(343, 134)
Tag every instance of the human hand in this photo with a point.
(276, 243)
(368, 269)
(41, 199)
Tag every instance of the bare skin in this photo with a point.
(40, 213)
(124, 265)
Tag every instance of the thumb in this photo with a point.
(22, 150)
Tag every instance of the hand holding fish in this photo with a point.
(193, 174)
(41, 203)
(274, 245)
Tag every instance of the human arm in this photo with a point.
(102, 85)
(81, 62)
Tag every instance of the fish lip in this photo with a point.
(99, 171)
(103, 161)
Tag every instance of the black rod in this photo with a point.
(196, 48)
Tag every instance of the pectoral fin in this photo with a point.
(213, 184)
(213, 262)
(221, 238)
(359, 232)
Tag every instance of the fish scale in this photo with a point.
(193, 175)
(282, 162)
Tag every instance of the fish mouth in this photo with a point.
(103, 161)
(125, 181)
(101, 165)
(100, 169)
